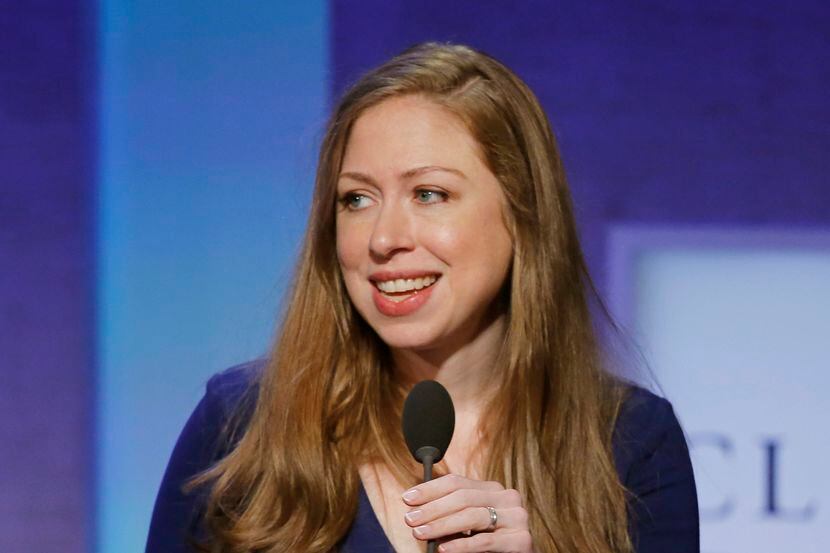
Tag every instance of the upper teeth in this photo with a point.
(405, 284)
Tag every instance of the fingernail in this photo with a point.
(410, 495)
(421, 531)
(444, 547)
(413, 516)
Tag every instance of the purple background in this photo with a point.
(46, 276)
(667, 113)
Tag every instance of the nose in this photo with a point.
(392, 232)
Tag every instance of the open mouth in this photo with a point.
(399, 289)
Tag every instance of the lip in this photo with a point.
(405, 307)
(381, 276)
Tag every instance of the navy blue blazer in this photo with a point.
(650, 453)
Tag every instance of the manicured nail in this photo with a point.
(413, 516)
(410, 495)
(421, 531)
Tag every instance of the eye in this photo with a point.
(426, 196)
(354, 201)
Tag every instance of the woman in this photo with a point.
(441, 245)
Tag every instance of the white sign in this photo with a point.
(736, 327)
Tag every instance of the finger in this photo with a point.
(494, 542)
(440, 487)
(459, 500)
(476, 519)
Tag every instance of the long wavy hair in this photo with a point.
(327, 400)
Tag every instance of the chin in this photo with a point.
(407, 338)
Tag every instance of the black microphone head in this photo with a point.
(428, 420)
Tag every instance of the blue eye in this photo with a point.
(354, 201)
(430, 196)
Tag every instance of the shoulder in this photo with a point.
(646, 426)
(226, 390)
(226, 408)
(206, 437)
(653, 463)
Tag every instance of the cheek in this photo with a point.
(478, 251)
(477, 238)
(495, 238)
(349, 247)
(348, 256)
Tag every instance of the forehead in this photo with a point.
(410, 130)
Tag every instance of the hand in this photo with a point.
(451, 506)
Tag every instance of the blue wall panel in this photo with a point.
(209, 116)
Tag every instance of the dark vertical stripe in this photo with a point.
(46, 275)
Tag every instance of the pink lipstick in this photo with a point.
(410, 304)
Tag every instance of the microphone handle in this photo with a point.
(427, 454)
(427, 468)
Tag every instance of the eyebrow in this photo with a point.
(417, 171)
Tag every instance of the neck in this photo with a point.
(465, 369)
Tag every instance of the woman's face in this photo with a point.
(420, 236)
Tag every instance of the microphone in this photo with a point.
(428, 423)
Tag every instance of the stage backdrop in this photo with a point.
(209, 118)
(695, 137)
